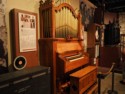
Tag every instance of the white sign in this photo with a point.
(27, 32)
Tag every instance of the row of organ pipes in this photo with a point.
(47, 24)
(64, 22)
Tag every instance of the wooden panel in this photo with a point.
(93, 89)
(108, 55)
(91, 52)
(98, 16)
(91, 36)
(47, 49)
(31, 56)
(68, 46)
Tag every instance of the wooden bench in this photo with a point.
(83, 79)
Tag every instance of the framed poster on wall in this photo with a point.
(27, 32)
(24, 34)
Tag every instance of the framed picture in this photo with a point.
(24, 34)
(87, 14)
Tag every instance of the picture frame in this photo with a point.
(87, 13)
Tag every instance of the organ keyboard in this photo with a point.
(71, 60)
(74, 57)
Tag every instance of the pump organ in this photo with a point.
(60, 43)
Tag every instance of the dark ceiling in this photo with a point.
(110, 5)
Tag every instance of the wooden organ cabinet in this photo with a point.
(61, 48)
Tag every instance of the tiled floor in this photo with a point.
(106, 84)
